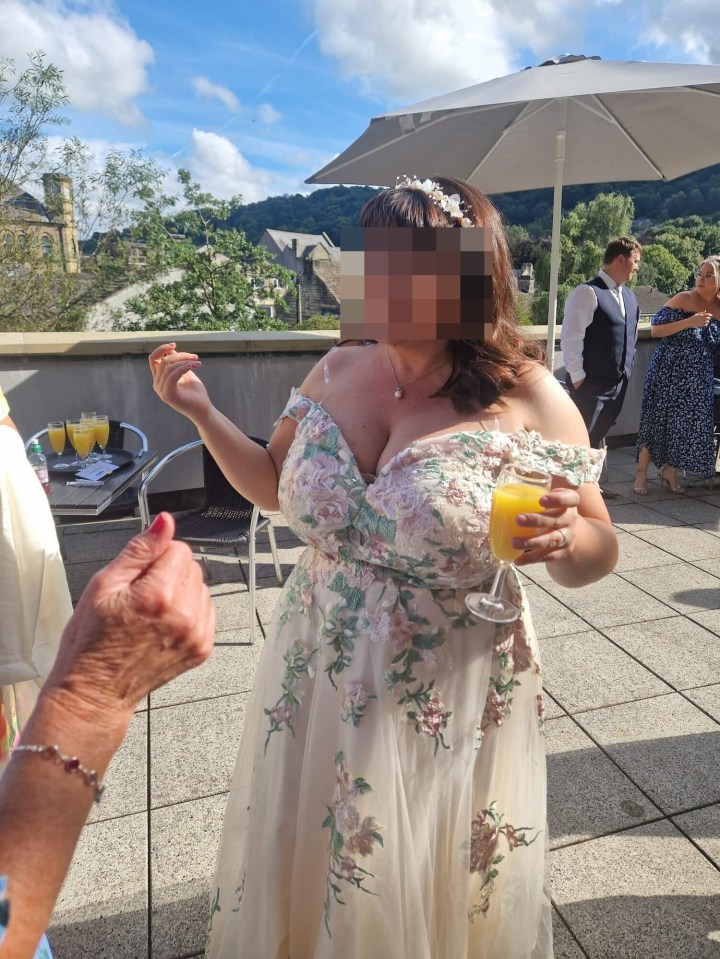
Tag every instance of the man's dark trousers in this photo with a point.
(599, 401)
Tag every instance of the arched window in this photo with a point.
(46, 245)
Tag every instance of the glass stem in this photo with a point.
(499, 581)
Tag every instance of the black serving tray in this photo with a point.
(62, 465)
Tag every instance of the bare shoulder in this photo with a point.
(682, 301)
(336, 362)
(547, 407)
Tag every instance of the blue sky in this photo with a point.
(255, 96)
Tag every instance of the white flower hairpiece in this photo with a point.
(452, 206)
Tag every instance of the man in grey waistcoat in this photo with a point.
(599, 333)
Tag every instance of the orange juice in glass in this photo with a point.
(56, 435)
(517, 491)
(84, 439)
(71, 426)
(102, 433)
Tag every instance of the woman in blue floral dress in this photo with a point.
(389, 793)
(676, 420)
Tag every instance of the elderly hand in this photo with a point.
(555, 528)
(175, 382)
(142, 620)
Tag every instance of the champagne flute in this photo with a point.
(517, 491)
(56, 437)
(102, 434)
(89, 418)
(84, 440)
(71, 426)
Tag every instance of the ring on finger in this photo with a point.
(564, 541)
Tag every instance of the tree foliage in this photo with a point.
(36, 291)
(205, 276)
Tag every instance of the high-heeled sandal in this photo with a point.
(641, 490)
(671, 480)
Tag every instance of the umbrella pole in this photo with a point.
(555, 242)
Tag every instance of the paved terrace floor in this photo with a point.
(632, 667)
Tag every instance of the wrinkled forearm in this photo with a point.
(43, 809)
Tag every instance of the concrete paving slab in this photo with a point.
(184, 844)
(683, 587)
(553, 709)
(564, 943)
(613, 601)
(684, 542)
(636, 553)
(642, 894)
(614, 678)
(550, 617)
(193, 748)
(678, 650)
(634, 516)
(126, 776)
(233, 608)
(709, 619)
(707, 698)
(667, 746)
(102, 909)
(230, 669)
(703, 827)
(688, 510)
(588, 795)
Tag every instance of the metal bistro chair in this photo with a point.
(226, 521)
(125, 506)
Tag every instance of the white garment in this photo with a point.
(579, 310)
(34, 597)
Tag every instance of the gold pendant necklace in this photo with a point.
(400, 388)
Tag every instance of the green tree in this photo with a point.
(659, 268)
(204, 275)
(37, 293)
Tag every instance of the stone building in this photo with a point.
(50, 223)
(316, 262)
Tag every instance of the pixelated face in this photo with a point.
(416, 283)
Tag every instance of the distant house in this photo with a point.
(650, 299)
(316, 262)
(51, 223)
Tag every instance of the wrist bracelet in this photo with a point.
(71, 764)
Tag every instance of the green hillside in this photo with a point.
(329, 209)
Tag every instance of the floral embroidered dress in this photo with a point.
(389, 794)
(676, 418)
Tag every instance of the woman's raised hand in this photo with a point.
(701, 319)
(175, 382)
(556, 528)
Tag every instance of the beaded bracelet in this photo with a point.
(71, 764)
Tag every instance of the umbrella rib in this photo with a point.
(609, 115)
(528, 111)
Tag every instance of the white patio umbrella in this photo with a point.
(570, 120)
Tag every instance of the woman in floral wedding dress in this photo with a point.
(389, 794)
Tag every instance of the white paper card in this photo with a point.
(98, 471)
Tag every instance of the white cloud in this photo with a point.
(410, 49)
(682, 29)
(217, 164)
(268, 114)
(104, 62)
(213, 91)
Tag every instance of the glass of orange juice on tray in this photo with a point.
(102, 434)
(56, 438)
(517, 491)
(84, 440)
(71, 426)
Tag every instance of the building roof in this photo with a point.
(25, 206)
(285, 238)
(650, 299)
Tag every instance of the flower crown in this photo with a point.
(452, 206)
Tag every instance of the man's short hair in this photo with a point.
(620, 246)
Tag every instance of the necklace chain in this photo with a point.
(400, 387)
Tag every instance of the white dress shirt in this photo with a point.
(580, 307)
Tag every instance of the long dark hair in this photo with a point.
(483, 371)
